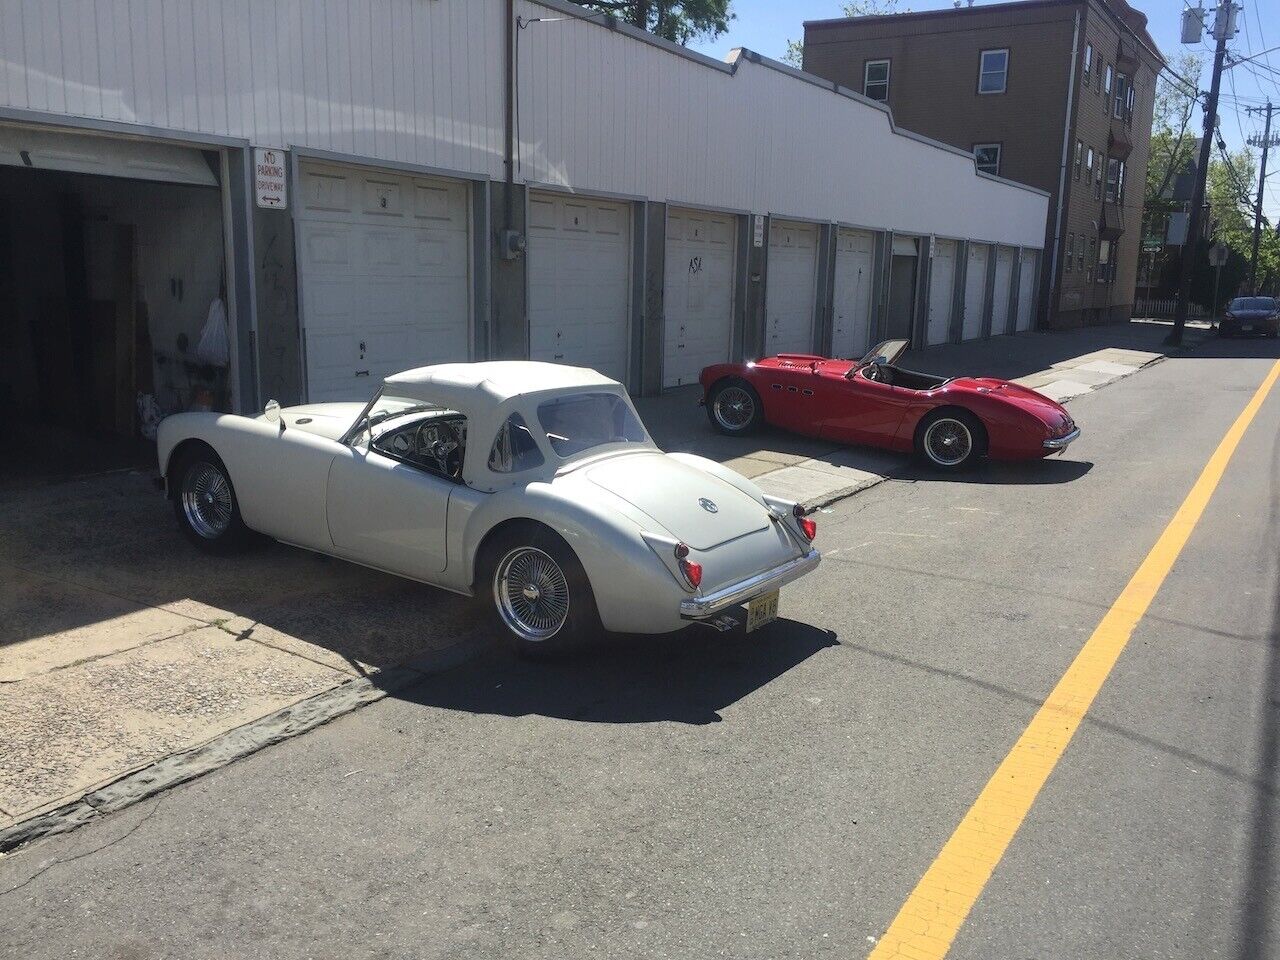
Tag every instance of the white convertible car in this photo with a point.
(534, 484)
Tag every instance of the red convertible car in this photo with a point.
(950, 422)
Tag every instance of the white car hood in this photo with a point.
(690, 504)
(329, 420)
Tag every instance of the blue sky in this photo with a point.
(766, 25)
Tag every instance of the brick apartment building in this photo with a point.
(1057, 94)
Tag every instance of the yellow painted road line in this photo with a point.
(930, 919)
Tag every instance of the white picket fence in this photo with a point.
(1144, 307)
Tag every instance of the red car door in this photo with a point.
(858, 410)
(790, 396)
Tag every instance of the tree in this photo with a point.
(676, 20)
(1173, 144)
(1227, 194)
(853, 8)
(1230, 195)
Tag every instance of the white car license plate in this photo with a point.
(762, 610)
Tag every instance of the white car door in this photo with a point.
(388, 514)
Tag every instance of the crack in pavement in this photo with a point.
(87, 853)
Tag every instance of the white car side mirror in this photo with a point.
(272, 412)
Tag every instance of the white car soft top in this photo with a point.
(487, 393)
(498, 380)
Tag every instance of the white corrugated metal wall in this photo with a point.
(403, 80)
(420, 82)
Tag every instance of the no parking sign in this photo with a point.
(269, 179)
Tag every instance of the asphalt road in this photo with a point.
(780, 795)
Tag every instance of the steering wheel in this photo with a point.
(439, 440)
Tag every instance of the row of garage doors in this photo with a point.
(385, 263)
(973, 302)
(386, 277)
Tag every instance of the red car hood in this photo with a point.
(1052, 413)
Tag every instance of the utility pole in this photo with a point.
(1265, 143)
(1223, 28)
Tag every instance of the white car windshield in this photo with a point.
(388, 408)
(386, 411)
(584, 420)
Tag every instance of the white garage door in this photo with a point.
(851, 320)
(579, 282)
(698, 294)
(792, 287)
(942, 279)
(1026, 290)
(384, 275)
(1000, 296)
(975, 291)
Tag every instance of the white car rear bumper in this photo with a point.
(733, 594)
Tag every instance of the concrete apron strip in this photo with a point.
(240, 742)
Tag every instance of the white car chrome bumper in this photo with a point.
(699, 608)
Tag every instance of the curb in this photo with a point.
(843, 493)
(226, 748)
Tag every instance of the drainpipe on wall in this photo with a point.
(1062, 169)
(509, 155)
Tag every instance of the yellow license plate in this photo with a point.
(762, 610)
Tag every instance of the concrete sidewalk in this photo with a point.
(123, 647)
(1061, 365)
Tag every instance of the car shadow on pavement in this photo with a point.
(992, 473)
(686, 677)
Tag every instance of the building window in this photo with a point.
(1122, 96)
(993, 71)
(1071, 250)
(1104, 261)
(1079, 155)
(1128, 105)
(1097, 179)
(1088, 63)
(1115, 180)
(1088, 166)
(1106, 86)
(987, 157)
(1080, 252)
(875, 79)
(1098, 67)
(1093, 258)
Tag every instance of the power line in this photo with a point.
(1255, 67)
(1243, 98)
(1241, 190)
(1262, 41)
(1231, 78)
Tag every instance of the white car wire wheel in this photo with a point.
(540, 591)
(950, 439)
(532, 594)
(204, 501)
(733, 407)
